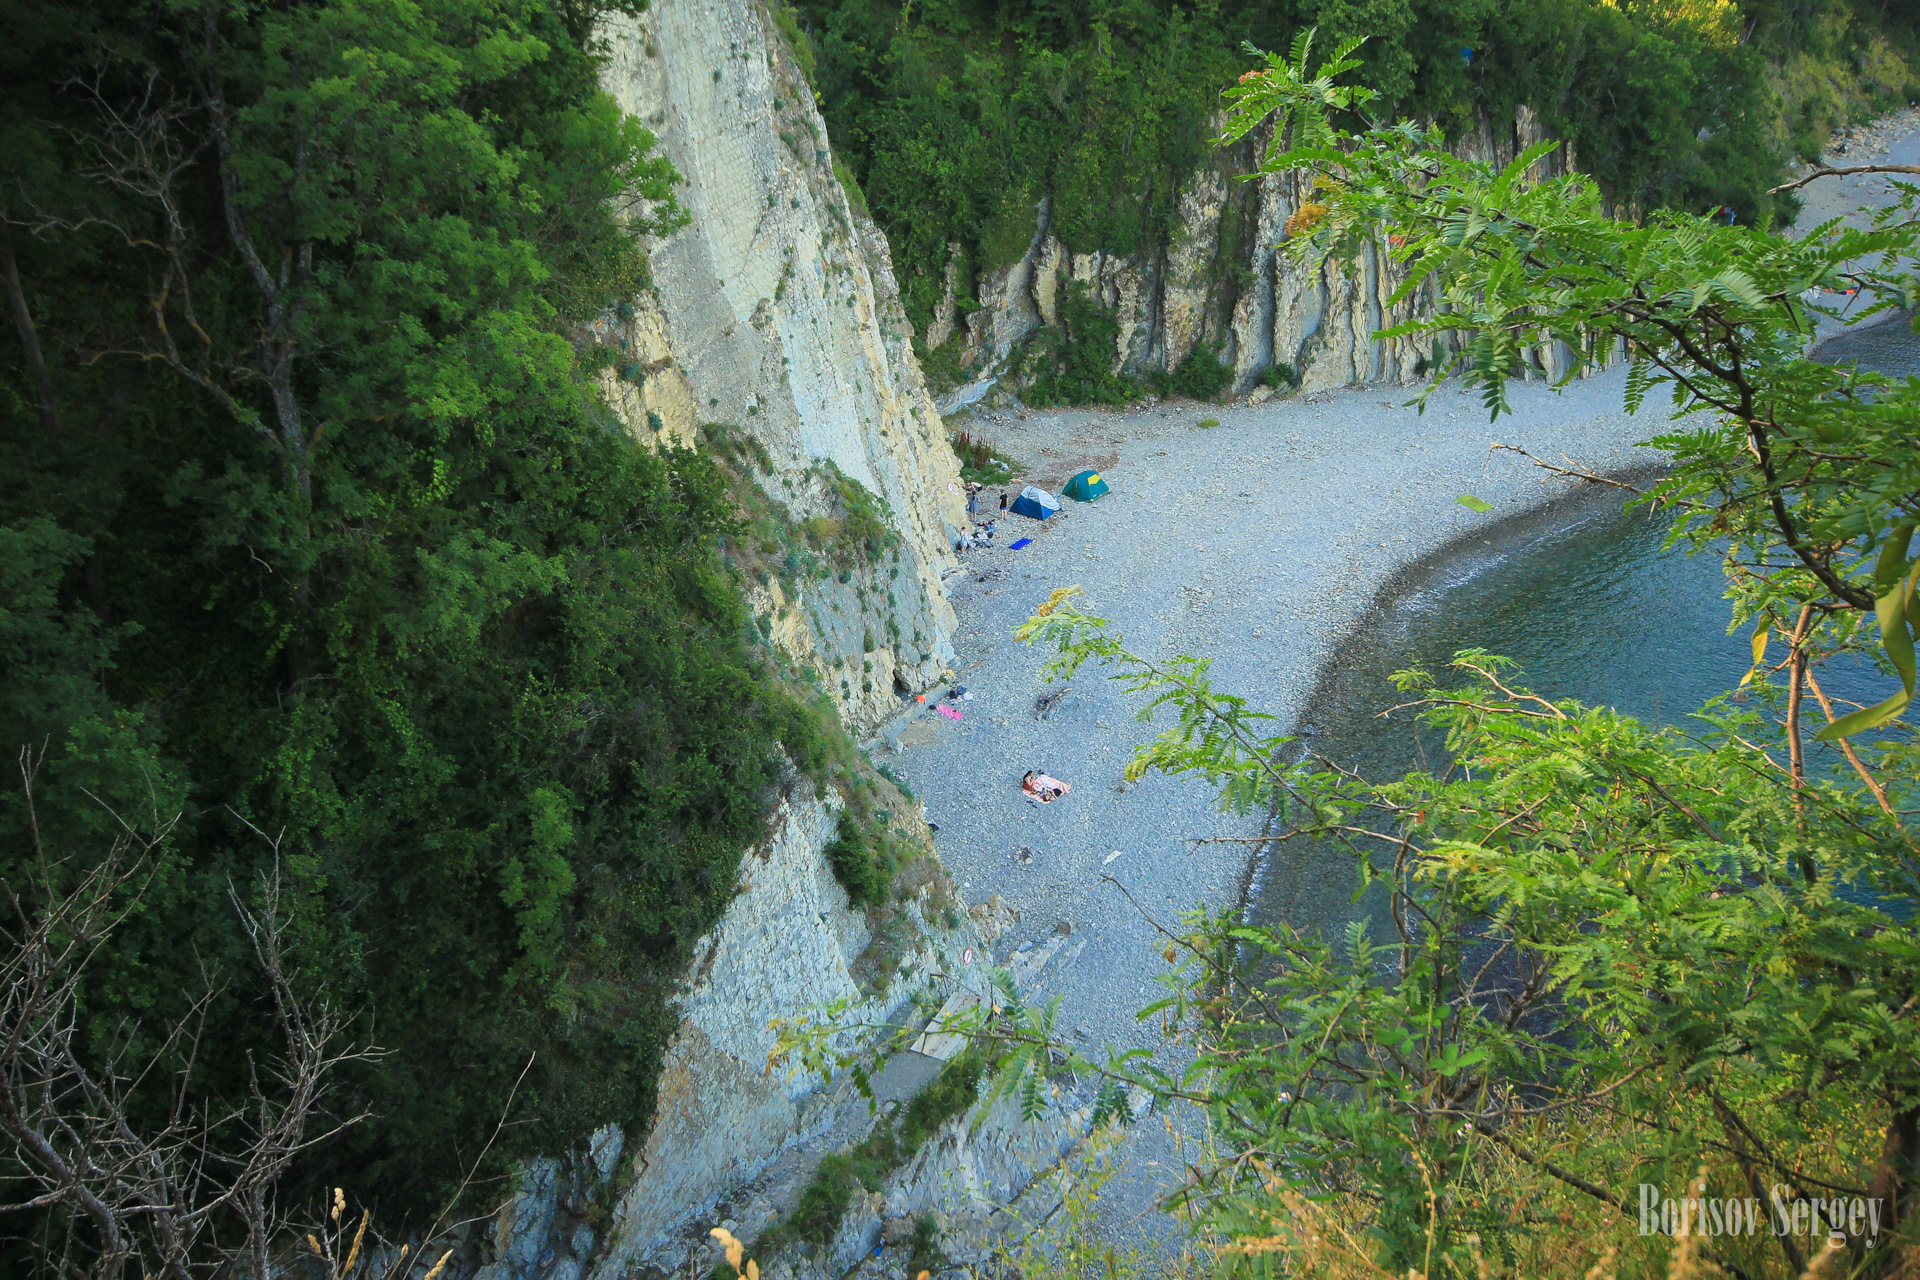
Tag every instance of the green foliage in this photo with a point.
(1198, 376)
(955, 1089)
(796, 39)
(959, 120)
(923, 1250)
(861, 529)
(898, 782)
(956, 119)
(1279, 375)
(1833, 65)
(1074, 361)
(1802, 467)
(896, 1137)
(851, 185)
(1607, 951)
(829, 1193)
(943, 365)
(863, 864)
(980, 462)
(350, 552)
(1604, 954)
(823, 1203)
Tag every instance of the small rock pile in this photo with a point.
(1858, 143)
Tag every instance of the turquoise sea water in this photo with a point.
(1588, 602)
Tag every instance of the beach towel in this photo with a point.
(948, 712)
(1024, 542)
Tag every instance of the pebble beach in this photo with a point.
(1261, 541)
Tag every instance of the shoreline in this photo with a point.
(1269, 542)
(1263, 542)
(1512, 534)
(1432, 576)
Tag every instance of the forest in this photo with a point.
(331, 589)
(324, 568)
(957, 116)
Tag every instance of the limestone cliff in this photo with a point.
(775, 311)
(625, 1204)
(1221, 278)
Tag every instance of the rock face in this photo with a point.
(1223, 279)
(775, 311)
(788, 944)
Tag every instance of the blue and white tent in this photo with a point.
(1035, 503)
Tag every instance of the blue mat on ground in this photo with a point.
(1022, 543)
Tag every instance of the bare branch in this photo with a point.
(149, 1195)
(1844, 171)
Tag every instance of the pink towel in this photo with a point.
(948, 712)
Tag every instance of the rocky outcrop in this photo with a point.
(775, 311)
(641, 1205)
(1223, 278)
(789, 943)
(984, 1180)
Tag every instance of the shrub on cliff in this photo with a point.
(863, 865)
(1199, 376)
(1072, 361)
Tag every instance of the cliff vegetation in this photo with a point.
(960, 119)
(324, 564)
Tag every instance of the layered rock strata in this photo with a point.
(789, 943)
(1223, 278)
(775, 311)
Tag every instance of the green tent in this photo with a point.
(1085, 487)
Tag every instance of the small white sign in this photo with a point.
(966, 957)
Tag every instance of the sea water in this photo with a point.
(1591, 603)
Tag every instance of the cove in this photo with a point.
(1587, 599)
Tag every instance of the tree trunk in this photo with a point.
(1893, 1180)
(29, 340)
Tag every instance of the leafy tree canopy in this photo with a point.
(1613, 955)
(1605, 956)
(314, 530)
(959, 117)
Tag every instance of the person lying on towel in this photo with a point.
(1043, 788)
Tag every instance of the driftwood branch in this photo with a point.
(1843, 172)
(1570, 470)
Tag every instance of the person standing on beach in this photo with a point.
(973, 500)
(1003, 499)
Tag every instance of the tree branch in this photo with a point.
(1843, 171)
